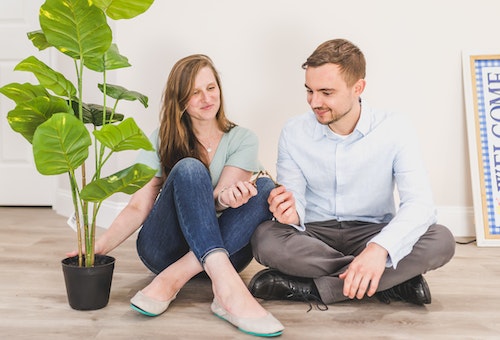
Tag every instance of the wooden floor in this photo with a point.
(33, 303)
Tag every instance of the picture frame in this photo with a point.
(481, 81)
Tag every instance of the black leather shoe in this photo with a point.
(270, 284)
(414, 290)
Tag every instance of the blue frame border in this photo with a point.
(492, 203)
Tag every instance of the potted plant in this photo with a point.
(54, 118)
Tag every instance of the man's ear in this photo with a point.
(359, 86)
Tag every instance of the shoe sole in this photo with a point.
(142, 311)
(427, 292)
(239, 323)
(263, 335)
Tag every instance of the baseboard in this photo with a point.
(109, 210)
(460, 220)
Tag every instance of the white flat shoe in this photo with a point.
(149, 306)
(266, 326)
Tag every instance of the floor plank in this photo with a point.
(33, 304)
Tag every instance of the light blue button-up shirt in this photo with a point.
(352, 178)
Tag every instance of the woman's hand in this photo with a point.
(236, 195)
(129, 220)
(97, 250)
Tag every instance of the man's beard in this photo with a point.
(336, 118)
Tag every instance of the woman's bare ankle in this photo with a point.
(239, 302)
(160, 289)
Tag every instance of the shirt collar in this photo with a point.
(364, 121)
(320, 130)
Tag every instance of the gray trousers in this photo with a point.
(325, 250)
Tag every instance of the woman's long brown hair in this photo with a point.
(176, 136)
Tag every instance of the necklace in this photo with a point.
(212, 137)
(207, 147)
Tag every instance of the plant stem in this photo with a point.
(99, 161)
(74, 194)
(91, 240)
(89, 251)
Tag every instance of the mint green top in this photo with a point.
(239, 148)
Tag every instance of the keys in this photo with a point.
(263, 173)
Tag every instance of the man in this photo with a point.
(337, 234)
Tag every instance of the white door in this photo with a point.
(20, 183)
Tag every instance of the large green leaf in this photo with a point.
(23, 92)
(50, 79)
(119, 92)
(27, 116)
(123, 9)
(92, 114)
(75, 27)
(111, 60)
(60, 144)
(127, 181)
(124, 136)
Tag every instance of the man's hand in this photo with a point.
(282, 205)
(364, 273)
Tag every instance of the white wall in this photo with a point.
(413, 50)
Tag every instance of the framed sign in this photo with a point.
(481, 80)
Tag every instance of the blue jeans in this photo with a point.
(184, 218)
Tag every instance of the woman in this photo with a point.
(201, 210)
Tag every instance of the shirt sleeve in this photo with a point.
(290, 175)
(416, 208)
(243, 149)
(239, 148)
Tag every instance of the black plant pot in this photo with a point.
(88, 288)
